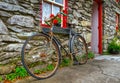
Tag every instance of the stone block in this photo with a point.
(85, 23)
(3, 28)
(13, 48)
(25, 21)
(7, 69)
(7, 38)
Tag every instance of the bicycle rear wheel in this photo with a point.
(78, 48)
(40, 56)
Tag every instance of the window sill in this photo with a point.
(57, 29)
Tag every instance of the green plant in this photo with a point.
(50, 67)
(57, 20)
(11, 76)
(37, 71)
(19, 72)
(65, 62)
(1, 78)
(91, 55)
(114, 46)
(46, 69)
(35, 64)
(105, 53)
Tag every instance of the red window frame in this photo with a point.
(64, 18)
(117, 0)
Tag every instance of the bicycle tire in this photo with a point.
(40, 57)
(78, 48)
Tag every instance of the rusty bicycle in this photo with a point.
(41, 52)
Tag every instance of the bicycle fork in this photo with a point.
(74, 60)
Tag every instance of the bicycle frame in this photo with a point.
(70, 34)
(50, 48)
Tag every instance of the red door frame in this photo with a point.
(99, 25)
(117, 21)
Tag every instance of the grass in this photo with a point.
(91, 55)
(19, 72)
(106, 53)
(65, 62)
(1, 79)
(49, 67)
(35, 64)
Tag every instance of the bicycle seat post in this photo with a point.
(51, 30)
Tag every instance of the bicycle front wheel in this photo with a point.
(40, 56)
(78, 48)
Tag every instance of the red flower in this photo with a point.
(63, 11)
(51, 15)
(59, 15)
(55, 21)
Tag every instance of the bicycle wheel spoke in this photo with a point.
(41, 59)
(79, 49)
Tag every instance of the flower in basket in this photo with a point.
(56, 21)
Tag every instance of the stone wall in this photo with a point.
(110, 8)
(80, 12)
(18, 18)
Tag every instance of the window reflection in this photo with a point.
(56, 9)
(59, 1)
(47, 10)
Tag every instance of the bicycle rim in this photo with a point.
(40, 56)
(79, 49)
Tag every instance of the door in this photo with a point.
(95, 39)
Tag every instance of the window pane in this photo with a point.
(46, 10)
(59, 1)
(56, 9)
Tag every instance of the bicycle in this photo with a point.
(41, 53)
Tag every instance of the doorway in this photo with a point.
(96, 40)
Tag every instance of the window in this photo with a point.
(53, 7)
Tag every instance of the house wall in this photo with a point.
(110, 8)
(80, 13)
(20, 18)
